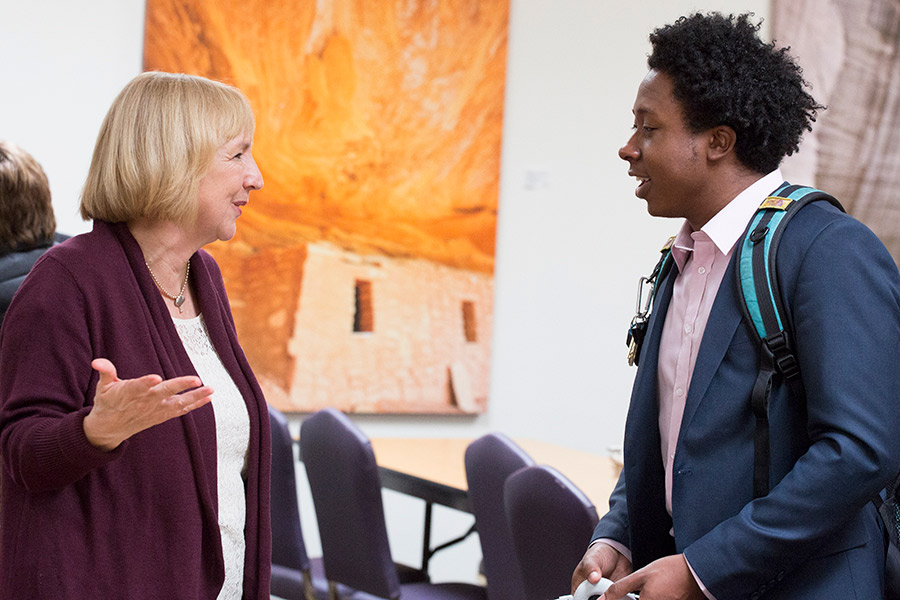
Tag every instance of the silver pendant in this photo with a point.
(178, 302)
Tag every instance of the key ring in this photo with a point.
(642, 305)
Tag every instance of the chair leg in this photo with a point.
(309, 592)
(332, 591)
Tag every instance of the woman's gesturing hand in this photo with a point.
(123, 408)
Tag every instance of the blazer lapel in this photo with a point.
(724, 319)
(644, 474)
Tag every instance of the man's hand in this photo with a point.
(668, 578)
(123, 407)
(600, 560)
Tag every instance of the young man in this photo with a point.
(713, 119)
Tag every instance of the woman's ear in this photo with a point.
(721, 142)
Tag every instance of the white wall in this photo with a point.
(572, 238)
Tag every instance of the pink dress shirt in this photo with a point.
(701, 258)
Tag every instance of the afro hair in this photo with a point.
(724, 74)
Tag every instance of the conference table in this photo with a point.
(433, 469)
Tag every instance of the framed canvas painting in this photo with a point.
(362, 273)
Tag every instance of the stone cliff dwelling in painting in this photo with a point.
(366, 333)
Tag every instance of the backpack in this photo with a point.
(764, 308)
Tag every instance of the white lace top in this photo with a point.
(232, 441)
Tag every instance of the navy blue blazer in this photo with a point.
(816, 534)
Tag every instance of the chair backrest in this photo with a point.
(489, 461)
(551, 522)
(346, 491)
(288, 548)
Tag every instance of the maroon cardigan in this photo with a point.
(138, 522)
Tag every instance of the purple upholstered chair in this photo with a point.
(294, 575)
(489, 461)
(346, 490)
(551, 522)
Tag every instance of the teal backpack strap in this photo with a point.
(764, 308)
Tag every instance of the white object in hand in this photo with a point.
(588, 591)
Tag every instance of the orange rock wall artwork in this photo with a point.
(361, 276)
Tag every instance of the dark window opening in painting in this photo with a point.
(363, 319)
(468, 311)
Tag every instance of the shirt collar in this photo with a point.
(729, 223)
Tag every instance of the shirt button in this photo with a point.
(679, 392)
(701, 270)
(688, 328)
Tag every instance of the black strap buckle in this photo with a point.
(784, 359)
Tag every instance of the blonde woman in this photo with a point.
(134, 436)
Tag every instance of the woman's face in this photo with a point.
(225, 188)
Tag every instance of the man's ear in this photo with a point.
(721, 142)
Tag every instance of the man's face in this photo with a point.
(666, 157)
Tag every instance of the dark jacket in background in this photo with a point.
(14, 266)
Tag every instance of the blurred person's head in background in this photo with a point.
(26, 210)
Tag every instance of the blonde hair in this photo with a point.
(156, 143)
(26, 210)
